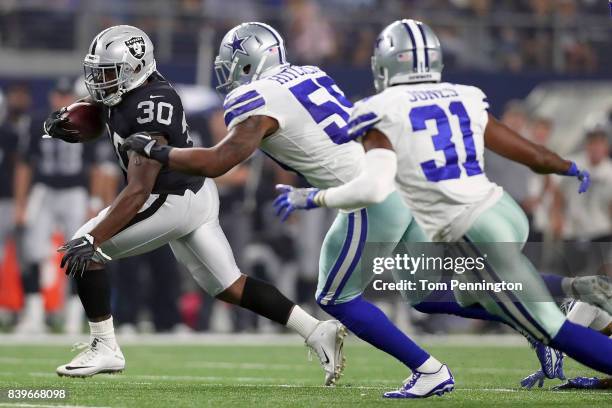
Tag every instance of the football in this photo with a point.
(86, 118)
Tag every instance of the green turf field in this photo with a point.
(262, 376)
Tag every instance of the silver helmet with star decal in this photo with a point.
(120, 59)
(246, 52)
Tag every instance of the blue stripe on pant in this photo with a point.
(348, 259)
(512, 302)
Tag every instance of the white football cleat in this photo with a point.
(595, 290)
(422, 385)
(327, 341)
(96, 358)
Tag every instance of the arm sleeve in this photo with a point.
(375, 182)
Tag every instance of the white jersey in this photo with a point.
(312, 114)
(437, 132)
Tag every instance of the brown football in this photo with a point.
(86, 118)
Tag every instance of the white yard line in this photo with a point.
(27, 360)
(27, 405)
(242, 339)
(252, 382)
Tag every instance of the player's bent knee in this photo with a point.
(233, 294)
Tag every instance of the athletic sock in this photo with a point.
(584, 345)
(369, 323)
(301, 322)
(430, 366)
(104, 330)
(554, 283)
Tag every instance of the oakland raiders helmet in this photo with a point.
(120, 59)
(406, 51)
(246, 52)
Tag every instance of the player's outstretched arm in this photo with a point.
(375, 182)
(237, 146)
(506, 142)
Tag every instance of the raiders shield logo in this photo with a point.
(136, 45)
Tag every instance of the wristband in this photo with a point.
(160, 153)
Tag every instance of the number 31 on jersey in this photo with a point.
(442, 140)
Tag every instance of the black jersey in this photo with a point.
(56, 163)
(153, 107)
(8, 156)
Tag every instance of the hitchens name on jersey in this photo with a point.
(453, 284)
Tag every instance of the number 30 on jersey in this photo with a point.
(160, 111)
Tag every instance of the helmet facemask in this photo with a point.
(106, 82)
(231, 75)
(380, 74)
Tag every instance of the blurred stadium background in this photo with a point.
(545, 65)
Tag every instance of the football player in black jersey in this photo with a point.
(159, 206)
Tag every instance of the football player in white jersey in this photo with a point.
(298, 116)
(426, 138)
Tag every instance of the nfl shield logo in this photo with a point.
(136, 45)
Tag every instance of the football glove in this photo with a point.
(582, 175)
(583, 383)
(77, 254)
(291, 199)
(551, 360)
(53, 127)
(146, 146)
(533, 379)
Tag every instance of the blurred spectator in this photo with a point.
(588, 216)
(541, 189)
(310, 34)
(8, 161)
(508, 174)
(18, 105)
(51, 195)
(147, 283)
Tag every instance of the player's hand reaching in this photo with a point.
(53, 127)
(582, 175)
(146, 146)
(78, 253)
(291, 199)
(536, 378)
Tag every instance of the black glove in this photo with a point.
(144, 145)
(77, 254)
(53, 127)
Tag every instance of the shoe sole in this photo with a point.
(110, 371)
(341, 333)
(446, 389)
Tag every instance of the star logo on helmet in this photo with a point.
(237, 45)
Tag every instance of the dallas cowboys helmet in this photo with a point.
(120, 59)
(246, 52)
(406, 51)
